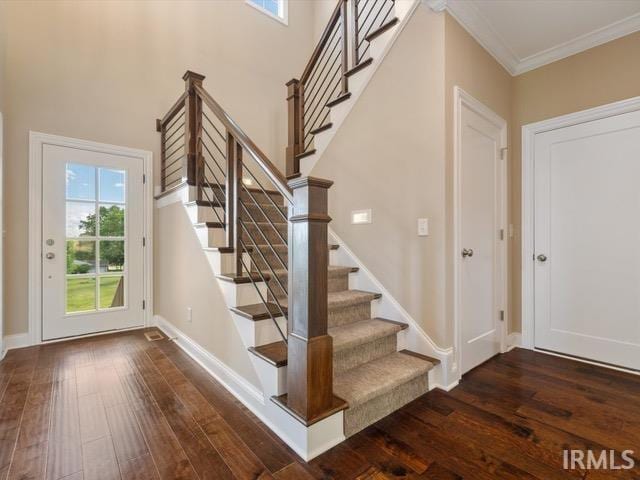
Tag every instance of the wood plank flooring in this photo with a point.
(120, 407)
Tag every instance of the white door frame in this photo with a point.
(528, 192)
(462, 98)
(3, 344)
(37, 141)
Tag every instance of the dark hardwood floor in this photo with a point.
(118, 406)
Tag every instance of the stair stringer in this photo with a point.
(307, 441)
(379, 47)
(413, 338)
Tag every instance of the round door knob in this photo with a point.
(50, 255)
(467, 252)
(542, 257)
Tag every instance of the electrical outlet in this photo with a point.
(423, 227)
(189, 315)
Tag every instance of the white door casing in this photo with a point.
(529, 133)
(138, 165)
(587, 231)
(479, 224)
(2, 343)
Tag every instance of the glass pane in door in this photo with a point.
(111, 291)
(81, 294)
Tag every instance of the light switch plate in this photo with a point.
(359, 217)
(423, 227)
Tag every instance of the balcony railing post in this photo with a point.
(310, 348)
(354, 33)
(295, 130)
(233, 189)
(344, 84)
(193, 130)
(163, 157)
(229, 192)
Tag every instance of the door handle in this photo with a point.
(542, 257)
(50, 255)
(467, 252)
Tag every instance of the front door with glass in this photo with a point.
(92, 234)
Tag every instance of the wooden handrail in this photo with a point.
(272, 172)
(174, 109)
(324, 38)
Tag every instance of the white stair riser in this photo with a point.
(200, 214)
(222, 263)
(211, 237)
(237, 295)
(272, 378)
(261, 332)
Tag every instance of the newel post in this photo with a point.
(295, 130)
(310, 348)
(193, 130)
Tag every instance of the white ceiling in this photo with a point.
(526, 34)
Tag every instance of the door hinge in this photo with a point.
(502, 234)
(144, 241)
(144, 304)
(502, 315)
(144, 178)
(503, 153)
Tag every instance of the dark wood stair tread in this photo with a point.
(337, 405)
(360, 66)
(427, 358)
(209, 224)
(273, 353)
(251, 189)
(339, 99)
(306, 154)
(259, 311)
(381, 29)
(241, 279)
(322, 128)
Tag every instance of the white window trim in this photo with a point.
(284, 19)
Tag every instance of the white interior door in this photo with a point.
(587, 233)
(480, 271)
(92, 234)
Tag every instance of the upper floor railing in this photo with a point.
(276, 230)
(342, 50)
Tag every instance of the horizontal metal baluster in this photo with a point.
(177, 130)
(173, 143)
(315, 101)
(214, 144)
(167, 129)
(214, 127)
(328, 97)
(322, 100)
(268, 244)
(174, 171)
(166, 167)
(373, 24)
(321, 58)
(268, 219)
(173, 183)
(266, 194)
(259, 271)
(310, 86)
(264, 301)
(175, 151)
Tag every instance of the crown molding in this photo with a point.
(472, 20)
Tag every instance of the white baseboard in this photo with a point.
(306, 442)
(514, 340)
(19, 340)
(242, 389)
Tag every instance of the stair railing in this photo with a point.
(341, 51)
(263, 217)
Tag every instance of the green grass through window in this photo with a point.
(81, 293)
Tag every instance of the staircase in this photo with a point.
(327, 363)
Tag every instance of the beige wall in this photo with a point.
(602, 75)
(470, 67)
(104, 71)
(389, 155)
(394, 154)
